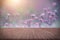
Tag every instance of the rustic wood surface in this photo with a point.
(26, 33)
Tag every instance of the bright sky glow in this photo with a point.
(14, 3)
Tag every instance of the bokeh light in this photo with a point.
(35, 11)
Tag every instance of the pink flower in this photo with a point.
(54, 3)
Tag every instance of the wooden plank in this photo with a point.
(29, 33)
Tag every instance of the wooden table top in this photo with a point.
(29, 33)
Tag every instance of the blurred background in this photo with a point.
(15, 12)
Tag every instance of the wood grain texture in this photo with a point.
(26, 33)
